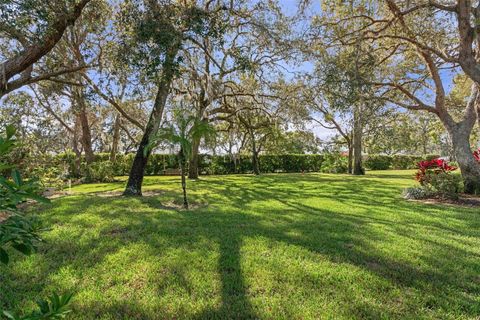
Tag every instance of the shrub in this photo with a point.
(378, 162)
(100, 172)
(18, 231)
(334, 162)
(445, 185)
(436, 178)
(402, 162)
(53, 176)
(416, 193)
(435, 166)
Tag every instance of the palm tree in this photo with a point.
(182, 132)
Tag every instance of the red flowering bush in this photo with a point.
(435, 166)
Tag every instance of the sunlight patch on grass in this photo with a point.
(277, 246)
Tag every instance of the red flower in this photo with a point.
(436, 166)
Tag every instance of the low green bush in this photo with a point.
(445, 185)
(378, 162)
(101, 171)
(334, 162)
(396, 162)
(402, 162)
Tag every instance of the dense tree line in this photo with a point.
(383, 77)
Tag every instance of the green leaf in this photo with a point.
(8, 315)
(3, 256)
(10, 130)
(23, 248)
(17, 178)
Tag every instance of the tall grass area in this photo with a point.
(279, 246)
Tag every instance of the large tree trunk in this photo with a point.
(78, 154)
(350, 157)
(357, 142)
(135, 179)
(115, 138)
(478, 115)
(255, 162)
(194, 160)
(459, 133)
(86, 138)
(82, 113)
(470, 168)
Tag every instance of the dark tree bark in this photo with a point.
(478, 115)
(135, 179)
(86, 138)
(22, 63)
(80, 108)
(357, 143)
(350, 157)
(469, 167)
(78, 153)
(115, 138)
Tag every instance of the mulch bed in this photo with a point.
(464, 200)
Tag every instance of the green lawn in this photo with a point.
(286, 246)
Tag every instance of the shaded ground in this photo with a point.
(464, 200)
(285, 246)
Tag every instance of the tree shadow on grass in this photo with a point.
(350, 238)
(235, 303)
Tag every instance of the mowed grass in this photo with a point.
(283, 246)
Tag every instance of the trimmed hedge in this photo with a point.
(397, 162)
(164, 164)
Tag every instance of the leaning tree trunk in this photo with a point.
(135, 178)
(194, 160)
(115, 138)
(357, 143)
